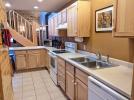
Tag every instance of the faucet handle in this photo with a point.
(108, 61)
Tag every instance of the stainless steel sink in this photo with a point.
(98, 65)
(82, 59)
(93, 63)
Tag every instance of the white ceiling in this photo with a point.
(46, 5)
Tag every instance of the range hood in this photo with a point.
(62, 27)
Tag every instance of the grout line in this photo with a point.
(45, 86)
(34, 86)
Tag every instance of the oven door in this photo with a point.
(53, 62)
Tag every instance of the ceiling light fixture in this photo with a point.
(8, 5)
(39, 0)
(36, 7)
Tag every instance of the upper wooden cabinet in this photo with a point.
(52, 24)
(59, 18)
(123, 18)
(78, 19)
(64, 16)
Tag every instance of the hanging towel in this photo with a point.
(6, 36)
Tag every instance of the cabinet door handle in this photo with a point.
(75, 83)
(72, 81)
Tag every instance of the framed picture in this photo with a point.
(104, 18)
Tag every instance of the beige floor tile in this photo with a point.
(36, 85)
(27, 94)
(29, 98)
(43, 97)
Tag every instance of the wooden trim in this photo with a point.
(133, 86)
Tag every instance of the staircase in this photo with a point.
(23, 31)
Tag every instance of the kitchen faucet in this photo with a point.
(98, 56)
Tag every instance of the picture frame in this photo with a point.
(104, 20)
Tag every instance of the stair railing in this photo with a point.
(20, 24)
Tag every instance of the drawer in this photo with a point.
(61, 61)
(82, 76)
(70, 68)
(61, 68)
(20, 52)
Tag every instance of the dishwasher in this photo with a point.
(99, 91)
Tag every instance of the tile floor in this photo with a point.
(36, 85)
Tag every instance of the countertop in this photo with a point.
(32, 48)
(118, 78)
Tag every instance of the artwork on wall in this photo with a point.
(104, 19)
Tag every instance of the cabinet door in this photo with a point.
(70, 85)
(33, 59)
(72, 20)
(21, 61)
(81, 90)
(43, 58)
(124, 18)
(49, 27)
(59, 18)
(64, 16)
(55, 22)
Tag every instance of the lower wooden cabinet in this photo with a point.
(61, 73)
(76, 83)
(81, 90)
(21, 60)
(33, 59)
(27, 59)
(70, 85)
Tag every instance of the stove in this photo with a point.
(69, 47)
(60, 51)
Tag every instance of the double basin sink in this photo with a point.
(93, 63)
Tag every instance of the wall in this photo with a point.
(104, 42)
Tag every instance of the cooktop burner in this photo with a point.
(60, 51)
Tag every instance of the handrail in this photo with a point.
(20, 24)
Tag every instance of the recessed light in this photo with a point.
(39, 0)
(36, 7)
(8, 5)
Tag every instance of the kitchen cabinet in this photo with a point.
(34, 58)
(64, 16)
(61, 73)
(70, 85)
(43, 58)
(123, 18)
(59, 18)
(52, 25)
(76, 80)
(27, 59)
(70, 81)
(55, 22)
(81, 81)
(21, 60)
(81, 90)
(78, 19)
